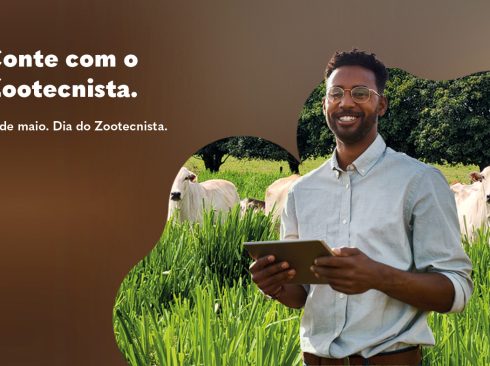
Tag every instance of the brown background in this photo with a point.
(78, 211)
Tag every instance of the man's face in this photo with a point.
(353, 122)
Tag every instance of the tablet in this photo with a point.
(300, 255)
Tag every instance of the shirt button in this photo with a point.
(336, 334)
(341, 296)
(347, 186)
(344, 221)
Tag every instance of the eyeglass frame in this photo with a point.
(350, 91)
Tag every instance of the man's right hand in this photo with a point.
(269, 276)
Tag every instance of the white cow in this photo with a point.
(276, 194)
(473, 202)
(191, 198)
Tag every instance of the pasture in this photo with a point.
(191, 301)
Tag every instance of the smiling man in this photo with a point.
(392, 221)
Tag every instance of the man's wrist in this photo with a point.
(390, 279)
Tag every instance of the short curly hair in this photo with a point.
(356, 57)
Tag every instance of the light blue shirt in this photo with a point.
(396, 210)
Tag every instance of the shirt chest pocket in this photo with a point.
(318, 215)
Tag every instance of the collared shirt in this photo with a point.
(398, 211)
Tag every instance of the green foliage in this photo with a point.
(214, 154)
(249, 147)
(438, 122)
(244, 147)
(407, 96)
(456, 127)
(313, 137)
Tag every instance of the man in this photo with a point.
(392, 221)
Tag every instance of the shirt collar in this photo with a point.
(366, 160)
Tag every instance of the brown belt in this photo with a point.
(409, 356)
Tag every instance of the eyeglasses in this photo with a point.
(359, 94)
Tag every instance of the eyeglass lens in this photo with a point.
(359, 94)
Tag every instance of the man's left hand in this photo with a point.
(350, 271)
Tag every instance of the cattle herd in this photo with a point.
(190, 198)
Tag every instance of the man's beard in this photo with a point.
(352, 134)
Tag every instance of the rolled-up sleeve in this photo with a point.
(436, 235)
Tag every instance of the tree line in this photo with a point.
(434, 121)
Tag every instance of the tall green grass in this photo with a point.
(189, 254)
(216, 325)
(191, 301)
(464, 339)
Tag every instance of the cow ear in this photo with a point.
(476, 177)
(192, 178)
